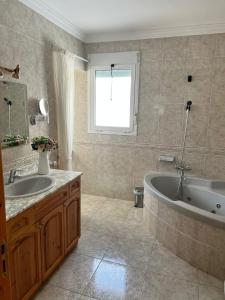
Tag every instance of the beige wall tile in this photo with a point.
(220, 45)
(27, 39)
(144, 162)
(201, 46)
(216, 132)
(218, 86)
(198, 126)
(214, 166)
(175, 47)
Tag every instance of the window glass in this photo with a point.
(113, 91)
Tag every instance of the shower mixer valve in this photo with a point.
(183, 167)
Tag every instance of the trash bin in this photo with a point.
(138, 196)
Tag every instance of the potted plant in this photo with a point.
(13, 140)
(43, 145)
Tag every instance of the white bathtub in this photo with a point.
(194, 228)
(201, 197)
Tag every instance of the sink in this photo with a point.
(30, 186)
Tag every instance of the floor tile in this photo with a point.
(104, 227)
(210, 293)
(91, 204)
(130, 252)
(94, 244)
(50, 292)
(134, 231)
(114, 281)
(136, 216)
(107, 214)
(75, 272)
(164, 287)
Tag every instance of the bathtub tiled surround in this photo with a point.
(199, 243)
(118, 258)
(27, 39)
(164, 89)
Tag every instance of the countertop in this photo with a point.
(16, 206)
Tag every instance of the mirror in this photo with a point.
(43, 107)
(14, 128)
(42, 113)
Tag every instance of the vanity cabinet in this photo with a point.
(40, 238)
(25, 263)
(72, 221)
(52, 240)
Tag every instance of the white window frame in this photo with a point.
(125, 60)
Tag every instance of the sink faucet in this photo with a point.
(12, 175)
(181, 167)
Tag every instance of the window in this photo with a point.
(113, 99)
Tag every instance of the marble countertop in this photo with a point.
(16, 206)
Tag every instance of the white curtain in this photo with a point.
(64, 81)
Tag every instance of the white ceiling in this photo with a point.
(105, 20)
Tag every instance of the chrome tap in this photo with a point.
(12, 175)
(181, 169)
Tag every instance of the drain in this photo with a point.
(189, 198)
(218, 205)
(213, 211)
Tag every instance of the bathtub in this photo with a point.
(192, 228)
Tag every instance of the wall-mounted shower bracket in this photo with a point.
(189, 78)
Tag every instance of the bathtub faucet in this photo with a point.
(181, 169)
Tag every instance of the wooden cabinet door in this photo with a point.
(72, 221)
(25, 263)
(5, 288)
(52, 240)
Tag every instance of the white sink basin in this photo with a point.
(29, 186)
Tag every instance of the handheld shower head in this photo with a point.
(188, 105)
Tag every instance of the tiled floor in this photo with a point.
(117, 258)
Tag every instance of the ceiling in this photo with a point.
(108, 20)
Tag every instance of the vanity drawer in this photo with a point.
(19, 223)
(74, 186)
(51, 202)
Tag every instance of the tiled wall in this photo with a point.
(113, 165)
(26, 38)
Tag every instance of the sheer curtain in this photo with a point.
(64, 81)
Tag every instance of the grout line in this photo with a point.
(89, 280)
(62, 288)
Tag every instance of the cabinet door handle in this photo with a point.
(4, 258)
